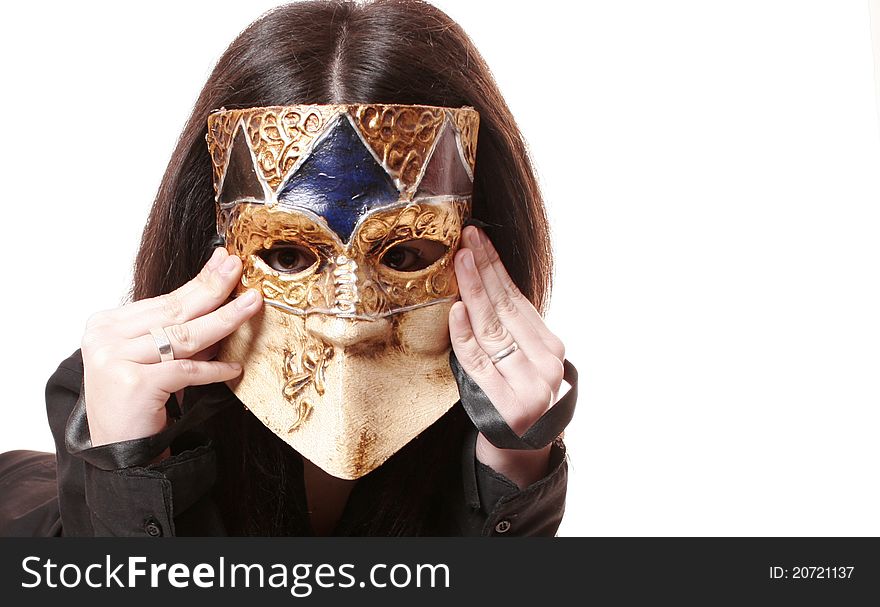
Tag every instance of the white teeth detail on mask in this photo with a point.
(345, 282)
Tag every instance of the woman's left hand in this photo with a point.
(491, 316)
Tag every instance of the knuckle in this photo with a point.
(554, 370)
(187, 367)
(515, 293)
(182, 334)
(89, 342)
(492, 255)
(99, 322)
(483, 262)
(215, 289)
(506, 307)
(480, 365)
(92, 340)
(204, 274)
(96, 320)
(227, 316)
(172, 307)
(545, 394)
(538, 392)
(493, 330)
(476, 288)
(557, 348)
(130, 379)
(100, 357)
(462, 338)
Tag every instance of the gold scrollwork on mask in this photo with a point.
(254, 228)
(401, 137)
(348, 280)
(441, 222)
(302, 368)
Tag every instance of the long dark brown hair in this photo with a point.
(337, 51)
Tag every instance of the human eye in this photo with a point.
(289, 258)
(413, 255)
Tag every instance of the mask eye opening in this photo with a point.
(413, 255)
(289, 258)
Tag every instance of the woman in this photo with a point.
(220, 469)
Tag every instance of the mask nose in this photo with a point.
(347, 333)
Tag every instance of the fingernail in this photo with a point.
(468, 260)
(228, 265)
(458, 312)
(244, 301)
(235, 366)
(474, 238)
(215, 259)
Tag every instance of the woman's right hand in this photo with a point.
(126, 385)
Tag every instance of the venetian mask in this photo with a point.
(346, 218)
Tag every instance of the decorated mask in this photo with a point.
(346, 218)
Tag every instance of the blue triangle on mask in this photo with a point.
(340, 181)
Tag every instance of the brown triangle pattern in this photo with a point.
(240, 180)
(446, 172)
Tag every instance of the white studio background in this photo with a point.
(711, 170)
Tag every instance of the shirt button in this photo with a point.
(502, 527)
(153, 528)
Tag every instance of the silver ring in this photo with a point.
(504, 353)
(163, 344)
